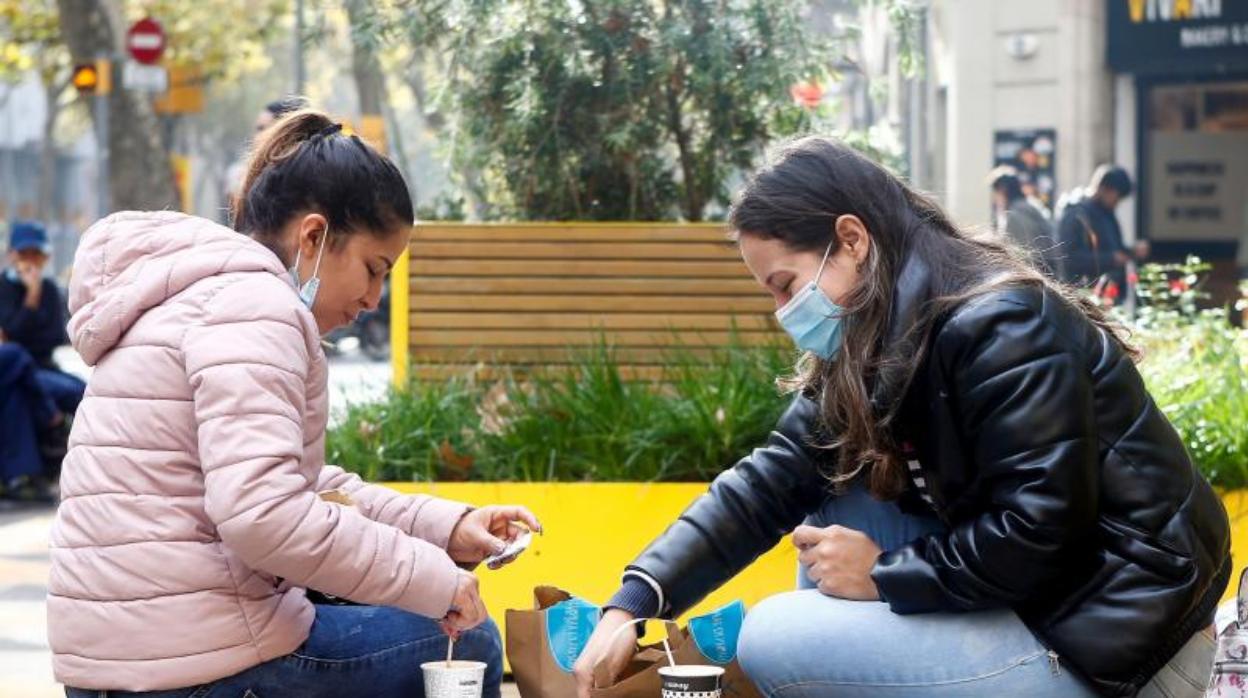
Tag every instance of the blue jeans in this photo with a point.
(65, 389)
(352, 651)
(804, 643)
(25, 408)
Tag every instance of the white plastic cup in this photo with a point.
(457, 679)
(692, 681)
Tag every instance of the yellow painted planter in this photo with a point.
(592, 532)
(594, 529)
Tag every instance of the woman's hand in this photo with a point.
(467, 609)
(613, 655)
(839, 561)
(487, 531)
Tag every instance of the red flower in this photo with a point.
(1178, 286)
(807, 94)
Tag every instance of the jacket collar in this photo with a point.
(901, 348)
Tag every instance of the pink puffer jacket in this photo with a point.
(195, 460)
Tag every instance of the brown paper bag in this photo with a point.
(539, 675)
(534, 668)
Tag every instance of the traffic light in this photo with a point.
(93, 78)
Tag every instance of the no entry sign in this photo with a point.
(146, 41)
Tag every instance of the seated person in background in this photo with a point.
(35, 395)
(32, 313)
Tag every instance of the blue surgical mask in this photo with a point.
(307, 291)
(813, 320)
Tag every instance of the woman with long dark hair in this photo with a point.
(993, 504)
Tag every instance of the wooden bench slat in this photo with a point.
(547, 355)
(697, 269)
(474, 286)
(423, 321)
(567, 233)
(483, 372)
(573, 250)
(575, 302)
(568, 338)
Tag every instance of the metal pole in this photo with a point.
(101, 140)
(918, 109)
(299, 79)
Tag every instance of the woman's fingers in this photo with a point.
(606, 654)
(807, 536)
(467, 609)
(808, 557)
(513, 513)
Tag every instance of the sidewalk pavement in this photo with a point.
(25, 661)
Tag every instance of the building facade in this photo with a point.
(1059, 86)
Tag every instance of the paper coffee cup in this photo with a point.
(692, 681)
(457, 679)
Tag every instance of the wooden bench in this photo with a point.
(529, 296)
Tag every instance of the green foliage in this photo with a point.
(589, 423)
(614, 109)
(30, 38)
(1196, 367)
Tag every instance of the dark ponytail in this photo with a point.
(304, 163)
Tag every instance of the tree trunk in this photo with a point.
(370, 84)
(140, 176)
(53, 88)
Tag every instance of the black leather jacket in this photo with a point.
(1067, 494)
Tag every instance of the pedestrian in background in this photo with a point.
(1091, 250)
(1023, 222)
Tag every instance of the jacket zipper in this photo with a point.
(1055, 666)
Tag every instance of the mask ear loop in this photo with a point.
(823, 264)
(316, 268)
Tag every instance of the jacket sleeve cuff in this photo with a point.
(636, 597)
(907, 584)
(436, 520)
(431, 591)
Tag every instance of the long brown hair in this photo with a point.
(797, 198)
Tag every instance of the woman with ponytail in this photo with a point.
(197, 506)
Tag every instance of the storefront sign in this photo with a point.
(1199, 186)
(1177, 36)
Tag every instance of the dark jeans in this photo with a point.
(65, 389)
(352, 651)
(25, 408)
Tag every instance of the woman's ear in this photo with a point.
(310, 233)
(854, 237)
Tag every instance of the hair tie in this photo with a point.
(329, 130)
